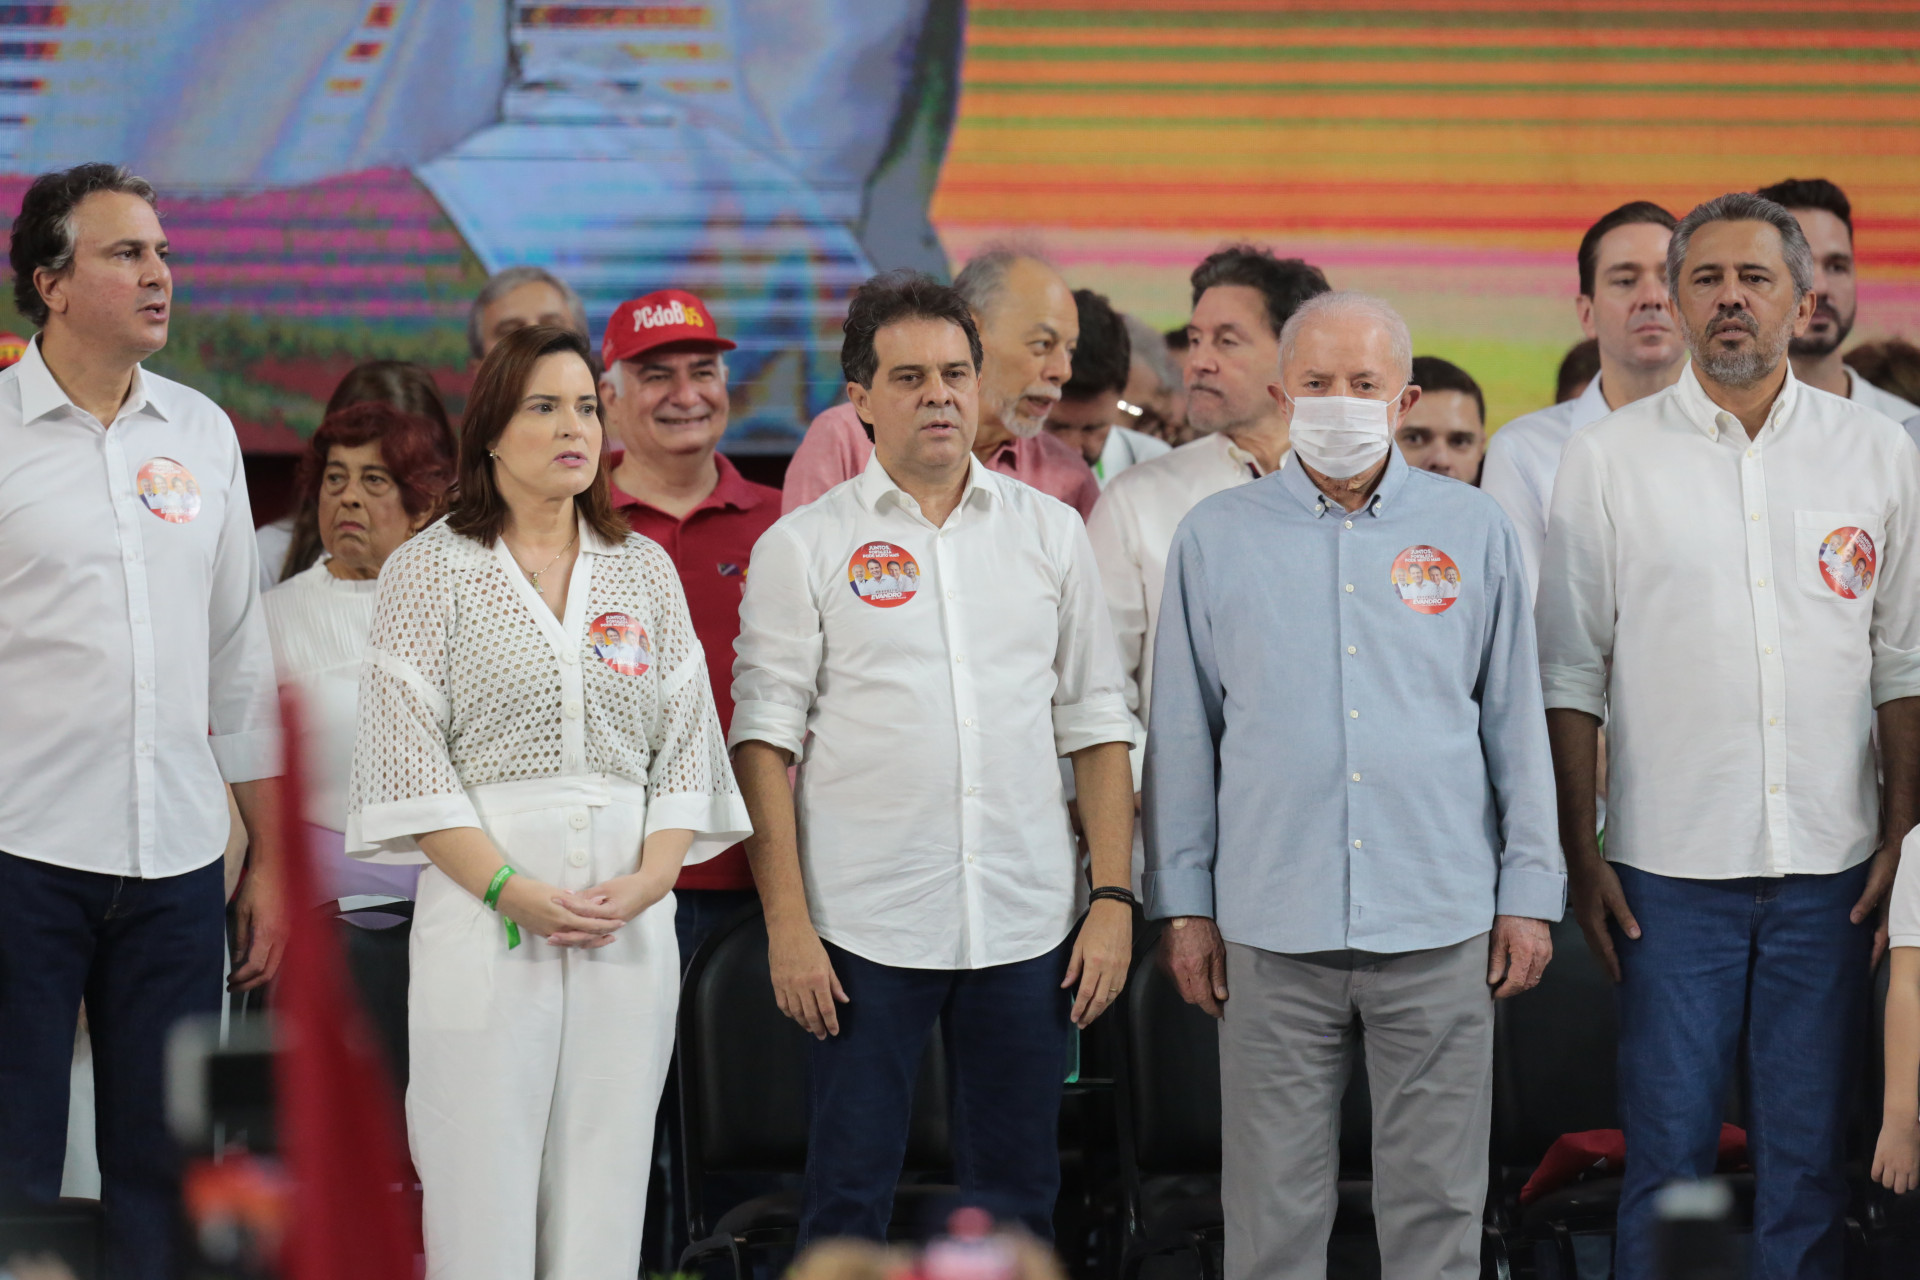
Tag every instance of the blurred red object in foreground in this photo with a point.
(12, 347)
(339, 1127)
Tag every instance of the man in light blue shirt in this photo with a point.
(1350, 808)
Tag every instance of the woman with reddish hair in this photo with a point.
(372, 477)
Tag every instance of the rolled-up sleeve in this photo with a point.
(1574, 614)
(776, 667)
(1110, 530)
(1513, 738)
(1089, 707)
(1179, 804)
(1895, 630)
(243, 716)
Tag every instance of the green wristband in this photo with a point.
(492, 896)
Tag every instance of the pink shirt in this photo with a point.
(836, 448)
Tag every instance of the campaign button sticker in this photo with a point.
(883, 575)
(169, 490)
(1426, 579)
(620, 641)
(1848, 561)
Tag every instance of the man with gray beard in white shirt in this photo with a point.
(1732, 575)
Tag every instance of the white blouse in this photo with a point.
(319, 626)
(470, 680)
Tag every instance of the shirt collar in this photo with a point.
(1238, 457)
(1590, 405)
(1712, 421)
(1297, 482)
(732, 490)
(875, 488)
(41, 394)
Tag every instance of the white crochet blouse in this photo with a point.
(470, 680)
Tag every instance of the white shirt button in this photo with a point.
(968, 722)
(1356, 777)
(1353, 715)
(969, 792)
(578, 822)
(1769, 649)
(145, 683)
(1754, 516)
(1356, 844)
(1349, 524)
(577, 858)
(1349, 586)
(949, 595)
(959, 657)
(146, 748)
(1760, 582)
(1773, 719)
(572, 710)
(1774, 789)
(1351, 649)
(969, 858)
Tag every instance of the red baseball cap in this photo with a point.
(671, 315)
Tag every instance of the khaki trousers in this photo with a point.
(1286, 1048)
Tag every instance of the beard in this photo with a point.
(1809, 345)
(1749, 365)
(1013, 415)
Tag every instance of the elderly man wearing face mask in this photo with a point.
(1029, 326)
(1297, 870)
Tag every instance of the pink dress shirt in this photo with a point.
(836, 448)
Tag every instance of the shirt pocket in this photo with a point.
(1837, 555)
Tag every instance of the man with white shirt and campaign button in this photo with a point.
(926, 871)
(135, 678)
(1309, 661)
(1732, 578)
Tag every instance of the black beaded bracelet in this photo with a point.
(1113, 893)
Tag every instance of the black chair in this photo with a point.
(377, 960)
(742, 1068)
(1167, 1090)
(71, 1231)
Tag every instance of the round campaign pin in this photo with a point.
(169, 490)
(1426, 579)
(1848, 561)
(620, 641)
(883, 575)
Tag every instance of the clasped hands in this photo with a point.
(584, 918)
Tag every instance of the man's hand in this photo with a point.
(1873, 902)
(1101, 956)
(1517, 955)
(804, 983)
(260, 931)
(1598, 900)
(1198, 961)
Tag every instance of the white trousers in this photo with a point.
(537, 1072)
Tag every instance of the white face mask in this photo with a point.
(1341, 436)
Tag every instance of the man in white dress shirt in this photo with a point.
(1749, 845)
(135, 677)
(1623, 304)
(1826, 216)
(1242, 298)
(931, 873)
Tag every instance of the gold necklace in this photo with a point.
(533, 575)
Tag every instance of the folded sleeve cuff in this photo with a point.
(769, 722)
(392, 827)
(1895, 675)
(1903, 940)
(718, 822)
(247, 756)
(1086, 724)
(1537, 895)
(1179, 892)
(1574, 689)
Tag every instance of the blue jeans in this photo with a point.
(1777, 960)
(143, 954)
(1006, 1037)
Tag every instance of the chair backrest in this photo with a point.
(1169, 1075)
(1555, 1049)
(378, 961)
(743, 1066)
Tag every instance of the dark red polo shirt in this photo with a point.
(711, 547)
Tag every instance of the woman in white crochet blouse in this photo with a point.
(535, 716)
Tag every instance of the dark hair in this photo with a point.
(1177, 340)
(402, 385)
(1580, 366)
(1284, 282)
(43, 233)
(1104, 358)
(1627, 215)
(1893, 366)
(416, 449)
(479, 511)
(1811, 193)
(889, 298)
(1431, 373)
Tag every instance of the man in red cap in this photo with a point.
(665, 396)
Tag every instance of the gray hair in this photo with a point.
(985, 275)
(505, 281)
(1151, 346)
(1742, 206)
(1338, 305)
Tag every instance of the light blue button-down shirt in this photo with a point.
(1348, 747)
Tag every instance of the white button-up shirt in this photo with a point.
(1131, 529)
(1742, 606)
(1860, 391)
(1522, 458)
(932, 829)
(134, 668)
